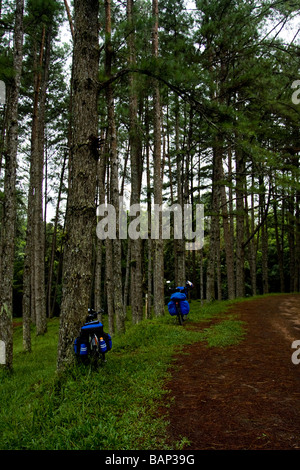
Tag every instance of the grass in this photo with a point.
(113, 408)
(227, 333)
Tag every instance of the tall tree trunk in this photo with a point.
(179, 244)
(114, 177)
(291, 237)
(99, 243)
(81, 214)
(54, 237)
(214, 238)
(297, 241)
(34, 303)
(228, 246)
(34, 186)
(127, 280)
(109, 280)
(109, 277)
(201, 270)
(9, 206)
(69, 18)
(149, 302)
(278, 247)
(136, 174)
(158, 262)
(278, 239)
(264, 235)
(26, 300)
(39, 234)
(240, 221)
(252, 246)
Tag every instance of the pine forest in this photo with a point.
(155, 103)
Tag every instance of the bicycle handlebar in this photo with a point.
(93, 314)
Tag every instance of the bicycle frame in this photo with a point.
(93, 342)
(179, 313)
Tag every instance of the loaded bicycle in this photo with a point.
(92, 343)
(179, 305)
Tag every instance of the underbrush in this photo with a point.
(114, 407)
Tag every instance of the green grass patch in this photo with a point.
(224, 334)
(112, 408)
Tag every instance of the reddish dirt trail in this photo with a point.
(244, 397)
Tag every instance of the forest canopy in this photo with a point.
(164, 103)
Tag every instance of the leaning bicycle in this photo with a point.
(92, 343)
(179, 305)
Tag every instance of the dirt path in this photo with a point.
(246, 396)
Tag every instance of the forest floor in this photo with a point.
(244, 397)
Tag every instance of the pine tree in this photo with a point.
(158, 261)
(81, 214)
(39, 42)
(9, 207)
(114, 177)
(136, 171)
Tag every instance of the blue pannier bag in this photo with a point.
(76, 346)
(87, 330)
(172, 308)
(181, 297)
(185, 307)
(80, 348)
(178, 296)
(94, 327)
(108, 341)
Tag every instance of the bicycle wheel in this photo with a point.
(94, 352)
(179, 315)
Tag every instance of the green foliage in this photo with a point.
(43, 11)
(6, 68)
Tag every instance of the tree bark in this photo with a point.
(38, 161)
(54, 237)
(264, 235)
(98, 293)
(228, 246)
(179, 244)
(158, 261)
(297, 241)
(291, 237)
(34, 295)
(214, 248)
(240, 221)
(136, 173)
(114, 177)
(9, 206)
(69, 18)
(279, 247)
(252, 246)
(81, 213)
(149, 302)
